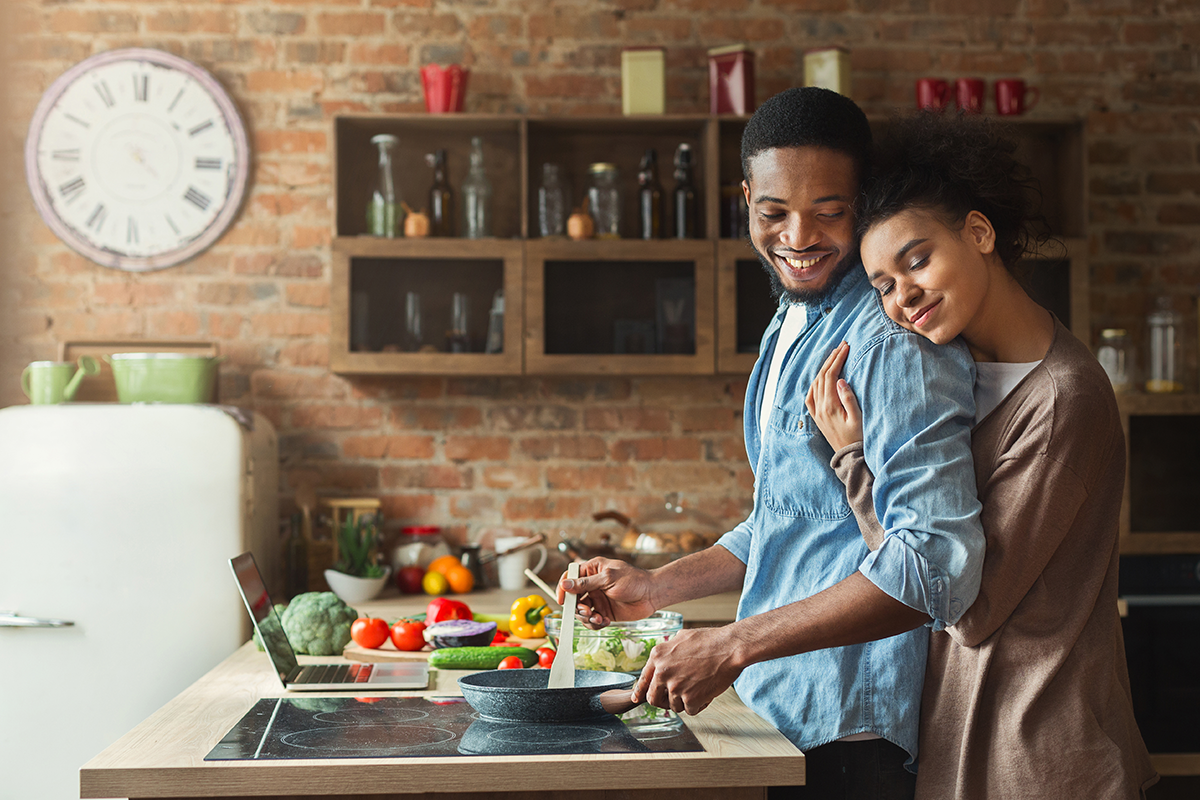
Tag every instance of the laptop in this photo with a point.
(298, 677)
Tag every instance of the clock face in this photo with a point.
(137, 159)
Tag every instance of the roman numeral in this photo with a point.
(171, 222)
(176, 100)
(131, 231)
(76, 120)
(201, 128)
(70, 154)
(71, 189)
(105, 93)
(208, 163)
(141, 88)
(197, 198)
(99, 214)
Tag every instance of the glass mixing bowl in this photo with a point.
(622, 646)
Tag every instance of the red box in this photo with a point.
(731, 80)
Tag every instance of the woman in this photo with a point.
(1027, 696)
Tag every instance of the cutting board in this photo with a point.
(389, 652)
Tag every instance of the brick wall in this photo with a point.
(534, 454)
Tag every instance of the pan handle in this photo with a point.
(617, 701)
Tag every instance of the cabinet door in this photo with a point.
(745, 304)
(370, 299)
(1160, 513)
(619, 307)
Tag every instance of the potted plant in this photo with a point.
(356, 576)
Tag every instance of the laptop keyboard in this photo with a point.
(334, 673)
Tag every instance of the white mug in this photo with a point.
(511, 568)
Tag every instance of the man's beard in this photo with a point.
(778, 290)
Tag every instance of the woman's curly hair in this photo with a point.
(953, 165)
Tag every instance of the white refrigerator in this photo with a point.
(119, 519)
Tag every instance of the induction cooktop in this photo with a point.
(395, 727)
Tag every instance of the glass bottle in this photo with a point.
(441, 197)
(477, 196)
(1163, 374)
(552, 206)
(413, 337)
(683, 205)
(495, 334)
(604, 200)
(384, 215)
(650, 197)
(458, 338)
(296, 557)
(1115, 354)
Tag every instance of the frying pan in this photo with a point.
(521, 695)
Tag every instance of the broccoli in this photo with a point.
(318, 623)
(279, 609)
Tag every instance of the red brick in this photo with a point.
(305, 236)
(135, 295)
(408, 508)
(167, 324)
(739, 29)
(694, 477)
(290, 141)
(397, 447)
(336, 416)
(225, 326)
(709, 419)
(424, 26)
(683, 449)
(91, 22)
(290, 324)
(428, 476)
(246, 232)
(1173, 182)
(308, 294)
(605, 478)
(512, 477)
(478, 448)
(436, 418)
(379, 53)
(556, 507)
(351, 24)
(192, 21)
(533, 417)
(1084, 33)
(284, 81)
(566, 447)
(562, 23)
(1141, 34)
(473, 506)
(650, 448)
(226, 293)
(304, 354)
(568, 85)
(615, 419)
(292, 385)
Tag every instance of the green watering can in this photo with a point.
(47, 382)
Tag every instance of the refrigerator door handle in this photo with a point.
(9, 619)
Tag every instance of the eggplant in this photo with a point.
(460, 633)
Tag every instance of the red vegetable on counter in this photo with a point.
(443, 608)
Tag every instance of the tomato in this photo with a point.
(369, 632)
(408, 635)
(545, 656)
(512, 662)
(443, 608)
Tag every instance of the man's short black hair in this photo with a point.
(809, 117)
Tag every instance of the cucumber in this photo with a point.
(479, 657)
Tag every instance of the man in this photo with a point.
(811, 592)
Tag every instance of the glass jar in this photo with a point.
(552, 203)
(418, 545)
(1163, 373)
(1115, 354)
(604, 200)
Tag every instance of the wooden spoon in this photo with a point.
(562, 671)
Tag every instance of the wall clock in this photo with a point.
(137, 159)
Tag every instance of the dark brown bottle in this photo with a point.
(683, 205)
(650, 198)
(441, 198)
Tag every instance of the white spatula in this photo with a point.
(562, 671)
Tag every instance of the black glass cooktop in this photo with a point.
(393, 727)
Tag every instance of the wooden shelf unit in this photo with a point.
(731, 303)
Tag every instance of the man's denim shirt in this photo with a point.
(801, 537)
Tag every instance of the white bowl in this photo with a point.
(352, 589)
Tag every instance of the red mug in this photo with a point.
(1014, 97)
(968, 94)
(932, 94)
(444, 88)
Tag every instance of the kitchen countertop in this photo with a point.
(163, 757)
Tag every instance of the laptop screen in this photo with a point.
(262, 612)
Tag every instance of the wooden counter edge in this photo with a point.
(164, 755)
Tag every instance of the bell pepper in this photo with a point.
(443, 608)
(527, 620)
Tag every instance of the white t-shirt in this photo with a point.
(793, 324)
(993, 382)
